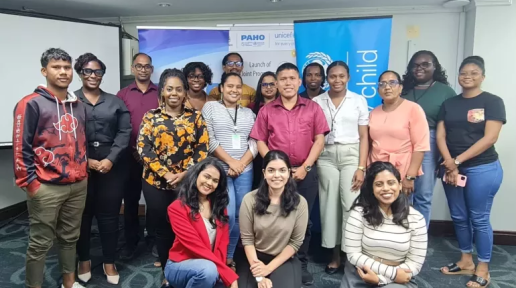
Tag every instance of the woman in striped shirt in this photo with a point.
(385, 237)
(229, 126)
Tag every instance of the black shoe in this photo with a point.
(331, 270)
(306, 277)
(127, 253)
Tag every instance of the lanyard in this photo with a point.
(423, 94)
(336, 112)
(235, 127)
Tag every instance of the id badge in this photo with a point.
(331, 138)
(235, 139)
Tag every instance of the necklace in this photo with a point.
(424, 92)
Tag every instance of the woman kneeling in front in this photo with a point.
(385, 238)
(199, 219)
(273, 221)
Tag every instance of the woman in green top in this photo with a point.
(425, 83)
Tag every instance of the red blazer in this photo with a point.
(192, 241)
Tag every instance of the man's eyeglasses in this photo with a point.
(392, 83)
(232, 63)
(140, 67)
(423, 65)
(195, 77)
(97, 72)
(268, 85)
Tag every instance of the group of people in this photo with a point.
(230, 177)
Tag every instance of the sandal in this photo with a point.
(454, 269)
(479, 280)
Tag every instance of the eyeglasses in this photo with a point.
(423, 65)
(392, 83)
(140, 67)
(97, 72)
(195, 77)
(232, 63)
(268, 85)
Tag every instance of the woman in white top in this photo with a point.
(342, 163)
(229, 126)
(386, 238)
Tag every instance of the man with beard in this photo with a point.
(49, 144)
(233, 62)
(139, 97)
(313, 80)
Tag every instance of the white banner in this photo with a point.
(262, 50)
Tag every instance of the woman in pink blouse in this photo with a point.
(399, 131)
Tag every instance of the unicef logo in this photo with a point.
(321, 58)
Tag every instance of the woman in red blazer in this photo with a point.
(199, 219)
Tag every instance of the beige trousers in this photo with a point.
(336, 167)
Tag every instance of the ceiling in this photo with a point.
(125, 8)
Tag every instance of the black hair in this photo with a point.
(321, 69)
(54, 54)
(259, 96)
(289, 198)
(287, 66)
(335, 64)
(409, 81)
(205, 69)
(167, 73)
(370, 205)
(85, 59)
(476, 60)
(225, 59)
(225, 77)
(393, 72)
(144, 54)
(219, 199)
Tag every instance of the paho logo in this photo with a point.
(250, 37)
(321, 58)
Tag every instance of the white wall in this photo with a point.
(495, 41)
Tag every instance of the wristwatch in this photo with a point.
(308, 168)
(361, 168)
(410, 178)
(259, 279)
(457, 162)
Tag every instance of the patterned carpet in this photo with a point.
(140, 272)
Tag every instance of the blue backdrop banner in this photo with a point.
(172, 47)
(363, 43)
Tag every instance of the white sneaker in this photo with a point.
(75, 285)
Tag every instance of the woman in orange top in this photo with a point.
(399, 131)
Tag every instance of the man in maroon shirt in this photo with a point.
(296, 126)
(139, 97)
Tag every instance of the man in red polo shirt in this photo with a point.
(296, 126)
(139, 97)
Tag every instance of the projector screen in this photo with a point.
(25, 38)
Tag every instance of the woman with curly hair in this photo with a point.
(199, 76)
(273, 221)
(425, 82)
(200, 222)
(108, 129)
(385, 237)
(172, 139)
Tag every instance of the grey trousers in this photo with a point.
(351, 279)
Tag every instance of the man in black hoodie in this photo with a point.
(49, 144)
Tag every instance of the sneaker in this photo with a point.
(75, 285)
(307, 279)
(127, 253)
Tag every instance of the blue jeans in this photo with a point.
(470, 207)
(425, 184)
(237, 188)
(193, 273)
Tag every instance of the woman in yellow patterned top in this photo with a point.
(172, 139)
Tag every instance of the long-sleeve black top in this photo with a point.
(108, 123)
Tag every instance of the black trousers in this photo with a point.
(103, 201)
(288, 275)
(132, 194)
(157, 201)
(308, 188)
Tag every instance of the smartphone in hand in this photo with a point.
(461, 180)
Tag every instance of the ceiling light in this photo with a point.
(456, 3)
(275, 1)
(164, 5)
